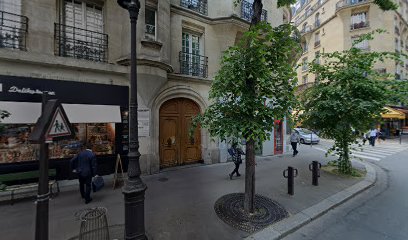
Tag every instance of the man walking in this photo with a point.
(85, 165)
(235, 153)
(294, 139)
(373, 136)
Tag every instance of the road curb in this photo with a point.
(294, 222)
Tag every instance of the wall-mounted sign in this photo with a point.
(143, 117)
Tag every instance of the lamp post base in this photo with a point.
(134, 194)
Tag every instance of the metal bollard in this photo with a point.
(315, 168)
(290, 174)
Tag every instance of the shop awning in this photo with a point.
(392, 114)
(28, 113)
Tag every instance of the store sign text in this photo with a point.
(15, 89)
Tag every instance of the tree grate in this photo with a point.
(230, 208)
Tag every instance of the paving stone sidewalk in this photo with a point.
(180, 202)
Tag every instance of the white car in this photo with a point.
(307, 136)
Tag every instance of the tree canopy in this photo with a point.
(348, 96)
(268, 65)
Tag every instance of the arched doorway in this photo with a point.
(176, 146)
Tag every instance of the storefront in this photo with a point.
(98, 113)
(392, 122)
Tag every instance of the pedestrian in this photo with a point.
(235, 153)
(294, 139)
(365, 138)
(373, 136)
(84, 163)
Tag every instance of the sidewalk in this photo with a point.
(180, 203)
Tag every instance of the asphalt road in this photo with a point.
(378, 213)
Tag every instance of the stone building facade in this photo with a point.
(332, 25)
(82, 48)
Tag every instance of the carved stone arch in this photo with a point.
(167, 94)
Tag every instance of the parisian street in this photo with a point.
(381, 212)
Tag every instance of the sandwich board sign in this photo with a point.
(53, 124)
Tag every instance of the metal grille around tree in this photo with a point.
(193, 64)
(247, 13)
(200, 6)
(13, 30)
(80, 43)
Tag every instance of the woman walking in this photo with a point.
(235, 153)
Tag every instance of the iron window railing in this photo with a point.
(317, 43)
(359, 25)
(13, 31)
(317, 23)
(194, 65)
(150, 29)
(247, 13)
(80, 43)
(306, 29)
(345, 3)
(200, 6)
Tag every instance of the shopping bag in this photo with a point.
(97, 183)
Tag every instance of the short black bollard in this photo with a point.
(290, 174)
(315, 168)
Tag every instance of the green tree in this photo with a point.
(350, 95)
(254, 87)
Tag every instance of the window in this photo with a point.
(13, 27)
(305, 66)
(80, 32)
(396, 45)
(150, 20)
(317, 57)
(359, 20)
(317, 20)
(304, 47)
(191, 60)
(317, 39)
(304, 79)
(361, 45)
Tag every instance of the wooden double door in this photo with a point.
(176, 145)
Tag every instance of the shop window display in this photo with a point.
(14, 145)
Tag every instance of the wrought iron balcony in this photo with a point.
(80, 43)
(194, 65)
(317, 43)
(247, 13)
(306, 29)
(346, 3)
(359, 25)
(150, 32)
(13, 30)
(200, 6)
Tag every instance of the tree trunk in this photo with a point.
(250, 144)
(344, 163)
(249, 176)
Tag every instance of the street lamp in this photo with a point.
(134, 189)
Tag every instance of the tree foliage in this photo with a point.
(350, 95)
(268, 65)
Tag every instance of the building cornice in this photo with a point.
(18, 56)
(233, 19)
(188, 78)
(125, 61)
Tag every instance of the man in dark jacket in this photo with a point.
(235, 153)
(85, 165)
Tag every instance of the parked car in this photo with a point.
(307, 136)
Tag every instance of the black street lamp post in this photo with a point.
(134, 189)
